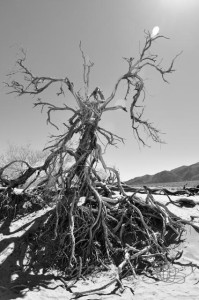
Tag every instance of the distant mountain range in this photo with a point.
(184, 173)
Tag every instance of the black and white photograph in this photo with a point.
(99, 149)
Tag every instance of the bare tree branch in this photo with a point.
(136, 84)
(35, 85)
(52, 107)
(86, 73)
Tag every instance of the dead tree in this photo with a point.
(86, 114)
(88, 221)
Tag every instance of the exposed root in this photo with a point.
(93, 222)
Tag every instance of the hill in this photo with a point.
(183, 173)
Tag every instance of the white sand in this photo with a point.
(179, 284)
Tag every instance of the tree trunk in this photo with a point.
(86, 145)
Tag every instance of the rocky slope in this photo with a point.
(183, 173)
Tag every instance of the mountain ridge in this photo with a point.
(183, 173)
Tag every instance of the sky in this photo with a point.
(50, 32)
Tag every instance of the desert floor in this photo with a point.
(178, 282)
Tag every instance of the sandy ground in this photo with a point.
(177, 283)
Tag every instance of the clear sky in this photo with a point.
(50, 32)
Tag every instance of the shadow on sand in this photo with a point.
(15, 276)
(17, 258)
